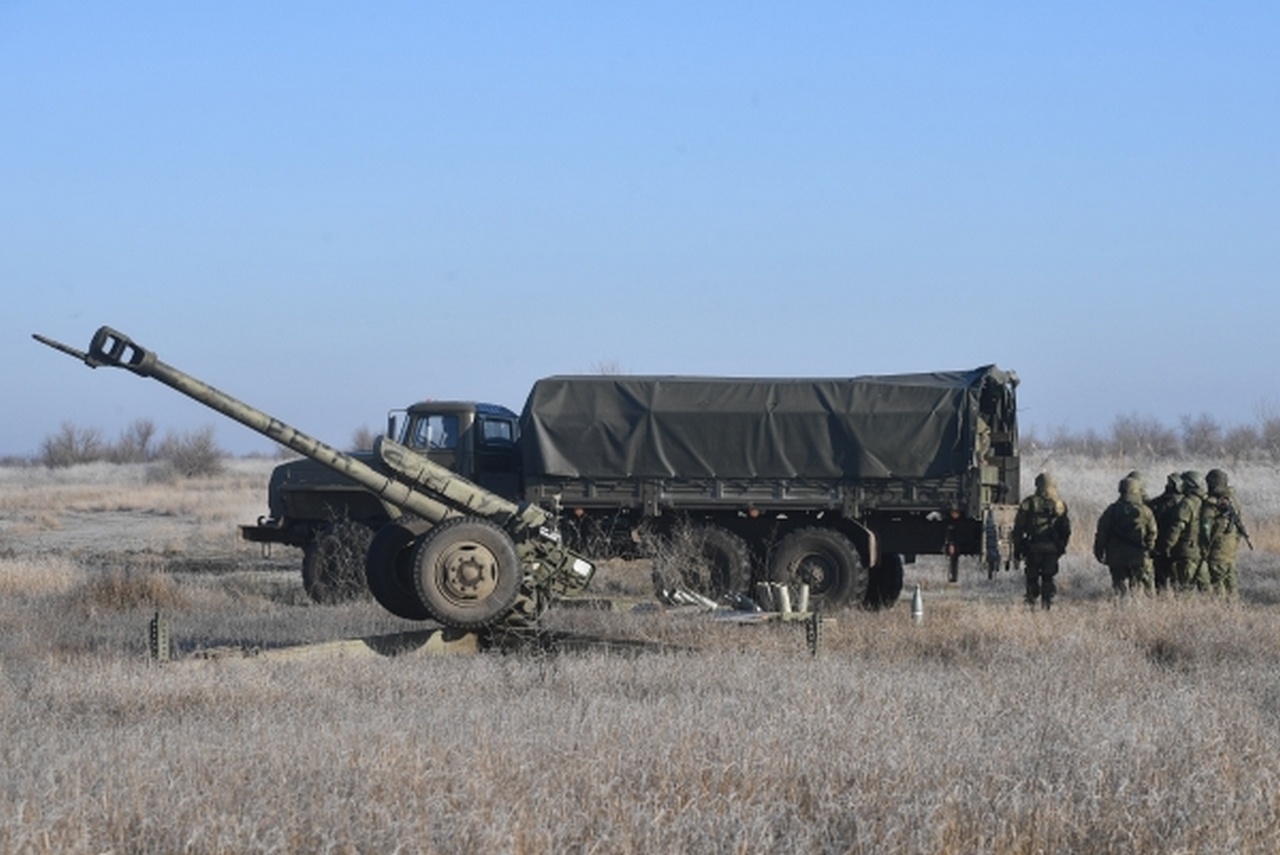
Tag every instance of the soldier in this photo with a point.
(1182, 540)
(1221, 529)
(1125, 538)
(1164, 507)
(1041, 530)
(1136, 476)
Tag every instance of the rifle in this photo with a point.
(1233, 516)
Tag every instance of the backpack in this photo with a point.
(1126, 524)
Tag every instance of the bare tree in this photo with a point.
(1240, 443)
(1087, 443)
(194, 454)
(134, 445)
(1268, 429)
(71, 445)
(1201, 435)
(1142, 436)
(362, 439)
(608, 367)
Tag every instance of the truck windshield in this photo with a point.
(497, 432)
(434, 431)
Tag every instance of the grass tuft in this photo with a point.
(126, 588)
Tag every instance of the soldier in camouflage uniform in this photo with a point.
(1221, 528)
(1041, 531)
(1125, 539)
(1182, 541)
(1164, 507)
(1137, 478)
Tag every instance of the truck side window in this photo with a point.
(435, 432)
(497, 432)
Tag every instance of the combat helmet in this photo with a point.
(1131, 489)
(1216, 481)
(1046, 485)
(1140, 484)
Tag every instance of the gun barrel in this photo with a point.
(114, 349)
(65, 348)
(439, 480)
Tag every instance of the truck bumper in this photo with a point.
(274, 531)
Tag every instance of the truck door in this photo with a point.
(440, 436)
(497, 456)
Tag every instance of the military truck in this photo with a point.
(457, 554)
(726, 482)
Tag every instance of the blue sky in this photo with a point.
(331, 209)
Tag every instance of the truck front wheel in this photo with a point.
(826, 561)
(333, 562)
(467, 572)
(706, 559)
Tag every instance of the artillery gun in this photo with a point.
(459, 554)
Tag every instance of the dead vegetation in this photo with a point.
(1098, 727)
(193, 454)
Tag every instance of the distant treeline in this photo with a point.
(189, 455)
(1135, 436)
(196, 453)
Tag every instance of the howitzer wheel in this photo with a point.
(389, 568)
(467, 572)
(333, 562)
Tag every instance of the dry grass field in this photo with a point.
(1151, 725)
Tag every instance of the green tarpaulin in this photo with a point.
(899, 426)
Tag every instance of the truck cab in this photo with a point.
(306, 499)
(476, 440)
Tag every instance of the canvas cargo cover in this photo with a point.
(898, 426)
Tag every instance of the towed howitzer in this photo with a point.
(460, 555)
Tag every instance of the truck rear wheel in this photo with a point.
(333, 562)
(389, 568)
(826, 561)
(706, 559)
(885, 584)
(467, 572)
